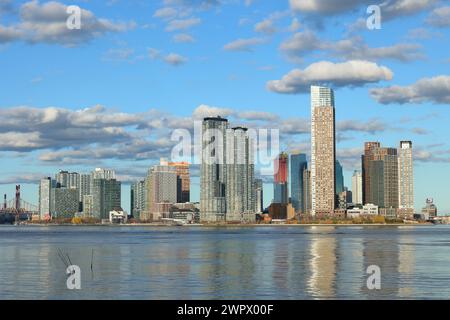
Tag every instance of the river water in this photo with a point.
(275, 262)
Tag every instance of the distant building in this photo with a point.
(357, 193)
(405, 177)
(240, 176)
(161, 189)
(345, 199)
(64, 202)
(430, 209)
(281, 168)
(259, 196)
(117, 215)
(88, 205)
(298, 165)
(281, 211)
(366, 210)
(106, 196)
(65, 179)
(380, 175)
(183, 181)
(137, 198)
(45, 187)
(323, 151)
(187, 212)
(100, 173)
(307, 191)
(339, 178)
(213, 170)
(84, 187)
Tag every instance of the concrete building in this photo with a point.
(430, 209)
(240, 176)
(367, 210)
(259, 196)
(187, 212)
(137, 198)
(66, 179)
(88, 205)
(345, 199)
(84, 187)
(381, 173)
(357, 192)
(183, 181)
(161, 188)
(405, 177)
(64, 202)
(45, 187)
(106, 197)
(298, 165)
(281, 190)
(118, 216)
(213, 170)
(323, 151)
(100, 173)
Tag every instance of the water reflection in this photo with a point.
(226, 263)
(321, 283)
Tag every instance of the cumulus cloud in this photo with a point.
(183, 38)
(435, 90)
(175, 59)
(326, 7)
(265, 26)
(353, 73)
(244, 44)
(303, 43)
(46, 23)
(372, 126)
(390, 9)
(439, 17)
(182, 24)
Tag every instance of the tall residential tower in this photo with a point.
(323, 151)
(405, 177)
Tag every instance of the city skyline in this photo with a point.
(152, 72)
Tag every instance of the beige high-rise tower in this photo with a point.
(323, 151)
(405, 177)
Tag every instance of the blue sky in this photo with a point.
(109, 94)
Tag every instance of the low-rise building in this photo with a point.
(118, 216)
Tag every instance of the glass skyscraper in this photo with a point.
(298, 165)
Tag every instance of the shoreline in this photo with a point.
(226, 226)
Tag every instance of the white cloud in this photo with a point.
(165, 13)
(244, 44)
(47, 23)
(265, 26)
(435, 90)
(303, 43)
(175, 59)
(182, 24)
(347, 74)
(440, 17)
(183, 38)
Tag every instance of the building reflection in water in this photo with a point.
(322, 279)
(406, 266)
(382, 251)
